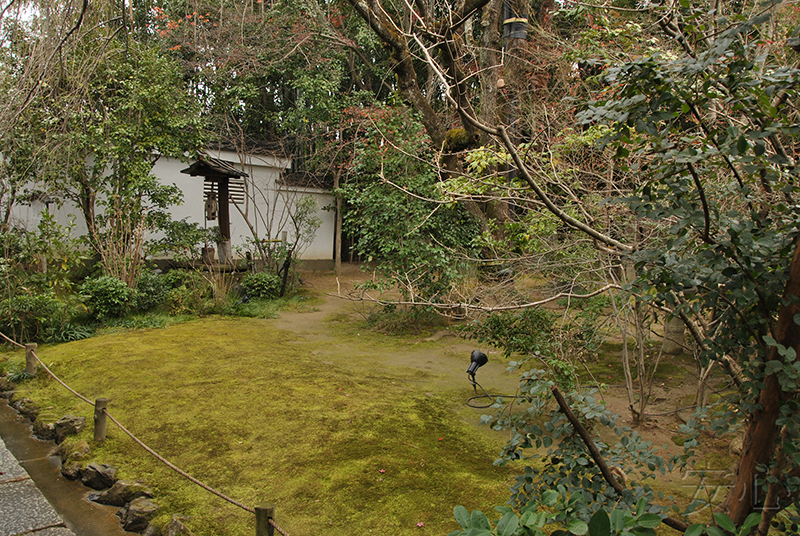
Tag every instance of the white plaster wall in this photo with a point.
(267, 208)
(270, 204)
(29, 216)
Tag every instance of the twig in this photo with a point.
(472, 307)
(676, 524)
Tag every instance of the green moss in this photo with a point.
(341, 441)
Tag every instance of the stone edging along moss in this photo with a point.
(134, 498)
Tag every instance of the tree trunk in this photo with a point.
(337, 239)
(86, 199)
(762, 433)
(489, 63)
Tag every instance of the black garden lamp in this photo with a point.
(477, 360)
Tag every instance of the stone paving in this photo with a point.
(23, 508)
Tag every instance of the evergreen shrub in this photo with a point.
(261, 285)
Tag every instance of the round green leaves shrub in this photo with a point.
(107, 297)
(261, 285)
(26, 317)
(151, 291)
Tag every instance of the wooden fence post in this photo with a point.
(30, 359)
(100, 419)
(265, 512)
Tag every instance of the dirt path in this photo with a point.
(442, 357)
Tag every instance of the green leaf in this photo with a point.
(617, 520)
(600, 524)
(576, 526)
(550, 497)
(508, 524)
(694, 530)
(724, 522)
(742, 145)
(478, 532)
(478, 520)
(772, 367)
(650, 521)
(532, 519)
(714, 531)
(640, 506)
(751, 521)
(462, 516)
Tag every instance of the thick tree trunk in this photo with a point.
(489, 63)
(86, 201)
(762, 433)
(408, 85)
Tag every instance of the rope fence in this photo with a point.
(265, 513)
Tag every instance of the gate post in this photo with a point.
(100, 419)
(265, 512)
(30, 359)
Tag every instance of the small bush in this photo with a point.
(26, 317)
(405, 321)
(254, 309)
(187, 301)
(182, 278)
(187, 292)
(261, 285)
(524, 332)
(139, 321)
(107, 297)
(151, 291)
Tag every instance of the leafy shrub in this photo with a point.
(142, 321)
(151, 291)
(26, 317)
(405, 320)
(181, 278)
(525, 331)
(107, 296)
(41, 259)
(261, 285)
(187, 292)
(404, 234)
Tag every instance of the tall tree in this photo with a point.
(104, 108)
(134, 111)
